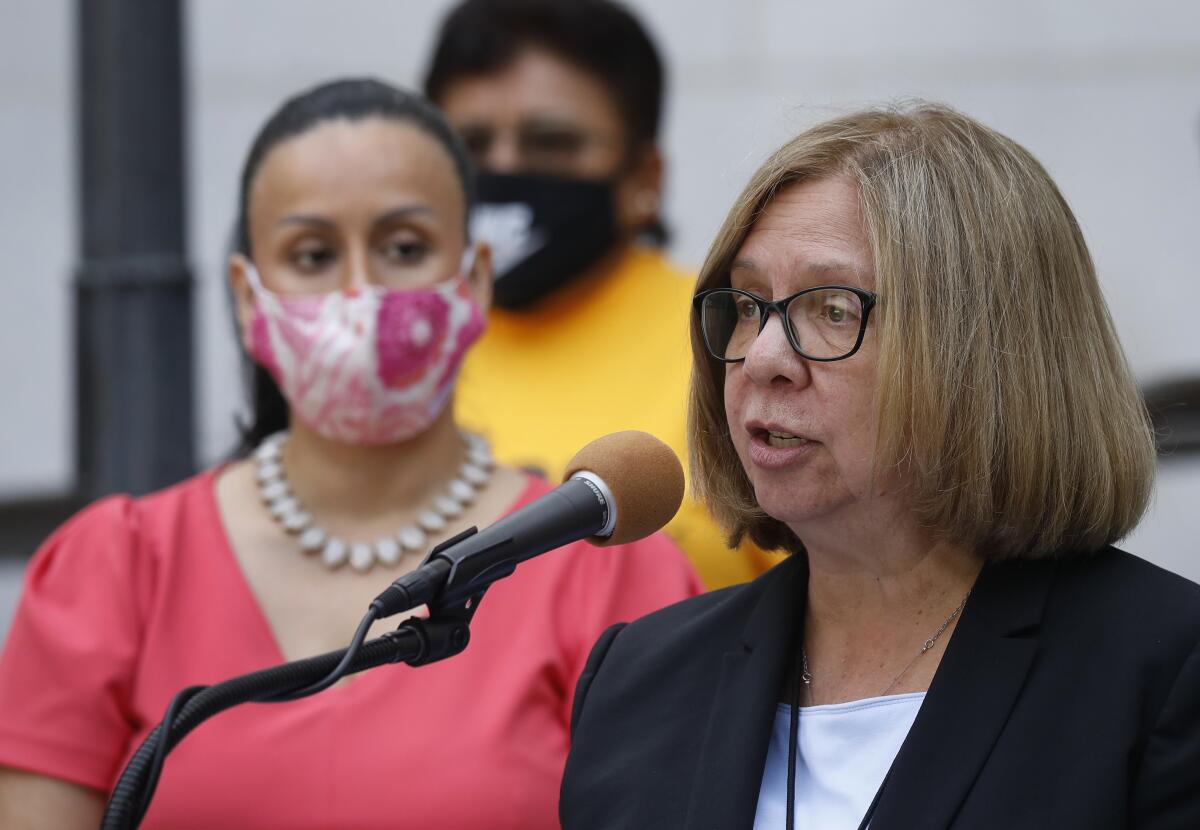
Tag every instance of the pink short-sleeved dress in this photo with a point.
(133, 599)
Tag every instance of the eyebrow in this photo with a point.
(304, 219)
(402, 213)
(815, 268)
(382, 219)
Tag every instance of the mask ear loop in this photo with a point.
(254, 279)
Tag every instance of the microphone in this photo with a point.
(618, 488)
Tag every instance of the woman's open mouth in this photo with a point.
(773, 447)
(783, 439)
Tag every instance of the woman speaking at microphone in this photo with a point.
(905, 376)
(357, 295)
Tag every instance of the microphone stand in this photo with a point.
(417, 642)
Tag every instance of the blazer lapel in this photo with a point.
(734, 750)
(970, 699)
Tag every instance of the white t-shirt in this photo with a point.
(843, 752)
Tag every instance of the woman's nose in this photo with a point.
(356, 276)
(771, 358)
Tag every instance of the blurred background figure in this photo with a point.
(1104, 92)
(559, 103)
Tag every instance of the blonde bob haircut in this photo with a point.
(1002, 393)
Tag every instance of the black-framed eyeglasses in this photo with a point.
(823, 323)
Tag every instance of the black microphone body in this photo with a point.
(464, 565)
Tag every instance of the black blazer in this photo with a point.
(1068, 697)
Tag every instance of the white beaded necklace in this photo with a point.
(292, 516)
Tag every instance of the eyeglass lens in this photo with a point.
(826, 322)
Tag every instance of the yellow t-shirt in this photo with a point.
(596, 357)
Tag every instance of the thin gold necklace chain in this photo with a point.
(806, 676)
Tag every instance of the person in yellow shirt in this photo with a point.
(559, 105)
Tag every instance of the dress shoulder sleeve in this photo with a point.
(67, 669)
(605, 586)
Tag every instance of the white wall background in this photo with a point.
(37, 239)
(1105, 92)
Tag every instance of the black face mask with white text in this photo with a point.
(544, 231)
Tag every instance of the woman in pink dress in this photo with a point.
(357, 293)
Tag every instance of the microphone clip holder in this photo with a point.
(446, 631)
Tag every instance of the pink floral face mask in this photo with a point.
(373, 367)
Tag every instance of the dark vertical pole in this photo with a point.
(132, 286)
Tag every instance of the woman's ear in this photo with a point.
(479, 275)
(243, 295)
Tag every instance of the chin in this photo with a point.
(794, 509)
(800, 495)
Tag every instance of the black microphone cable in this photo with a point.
(360, 636)
(190, 708)
(166, 726)
(164, 737)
